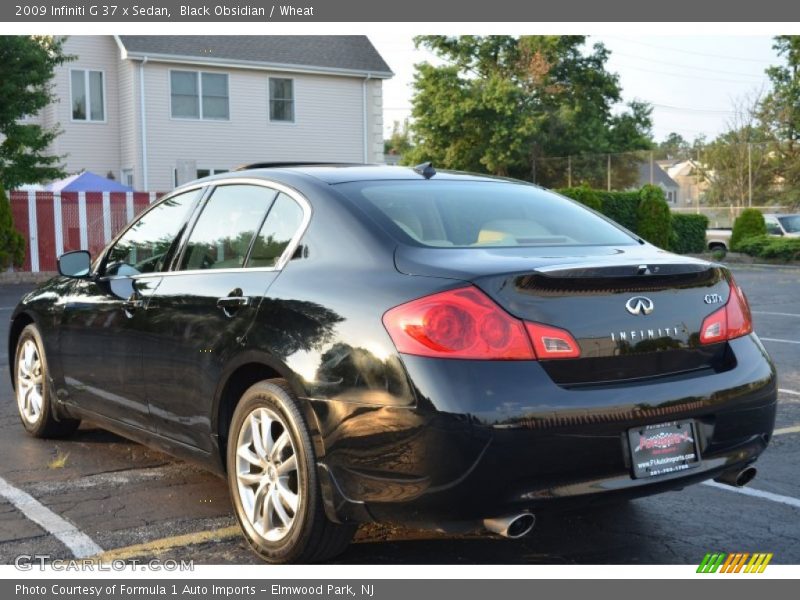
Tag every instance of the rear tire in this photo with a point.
(273, 481)
(32, 389)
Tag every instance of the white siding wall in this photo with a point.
(86, 144)
(328, 124)
(130, 153)
(375, 121)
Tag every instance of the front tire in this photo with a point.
(32, 387)
(273, 480)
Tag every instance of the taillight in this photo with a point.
(731, 321)
(465, 323)
(552, 342)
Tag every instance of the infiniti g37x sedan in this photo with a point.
(349, 344)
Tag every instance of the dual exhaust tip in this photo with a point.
(737, 478)
(512, 526)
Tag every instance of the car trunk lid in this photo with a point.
(635, 312)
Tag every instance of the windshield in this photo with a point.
(467, 214)
(791, 223)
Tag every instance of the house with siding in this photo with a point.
(157, 111)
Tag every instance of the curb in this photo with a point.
(18, 277)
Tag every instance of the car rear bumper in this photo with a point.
(493, 438)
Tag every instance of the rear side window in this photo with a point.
(281, 225)
(224, 231)
(467, 214)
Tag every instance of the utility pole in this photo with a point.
(608, 186)
(652, 174)
(749, 174)
(569, 171)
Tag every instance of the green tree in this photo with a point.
(12, 244)
(740, 160)
(674, 146)
(400, 141)
(27, 65)
(501, 102)
(780, 114)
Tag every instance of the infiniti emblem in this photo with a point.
(639, 305)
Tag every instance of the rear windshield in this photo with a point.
(466, 214)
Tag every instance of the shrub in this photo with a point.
(688, 233)
(653, 216)
(749, 224)
(782, 249)
(753, 245)
(585, 195)
(765, 246)
(12, 244)
(621, 207)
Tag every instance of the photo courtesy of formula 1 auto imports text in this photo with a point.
(351, 299)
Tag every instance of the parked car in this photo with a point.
(719, 238)
(783, 224)
(362, 343)
(777, 224)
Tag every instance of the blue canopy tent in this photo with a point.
(86, 182)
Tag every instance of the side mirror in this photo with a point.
(75, 264)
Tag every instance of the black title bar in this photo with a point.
(124, 11)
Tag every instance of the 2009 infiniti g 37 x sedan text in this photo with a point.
(362, 343)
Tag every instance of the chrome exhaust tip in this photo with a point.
(737, 478)
(513, 526)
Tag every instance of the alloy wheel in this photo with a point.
(30, 382)
(267, 476)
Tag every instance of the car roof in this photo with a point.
(345, 173)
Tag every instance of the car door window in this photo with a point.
(224, 231)
(280, 226)
(773, 228)
(145, 246)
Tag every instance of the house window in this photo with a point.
(200, 173)
(281, 99)
(199, 95)
(88, 95)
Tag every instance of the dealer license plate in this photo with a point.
(663, 448)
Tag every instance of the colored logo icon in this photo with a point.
(738, 562)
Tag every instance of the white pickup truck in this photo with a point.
(777, 224)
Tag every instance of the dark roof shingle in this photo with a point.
(338, 52)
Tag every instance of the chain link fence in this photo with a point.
(718, 180)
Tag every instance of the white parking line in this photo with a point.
(785, 430)
(80, 544)
(763, 339)
(776, 314)
(790, 392)
(746, 491)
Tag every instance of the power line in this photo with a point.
(685, 76)
(692, 52)
(683, 66)
(699, 110)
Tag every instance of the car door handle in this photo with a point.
(233, 302)
(132, 304)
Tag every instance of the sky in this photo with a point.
(693, 82)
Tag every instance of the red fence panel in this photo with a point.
(45, 224)
(19, 210)
(84, 219)
(70, 221)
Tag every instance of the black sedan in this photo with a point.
(359, 343)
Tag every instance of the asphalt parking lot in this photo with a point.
(131, 502)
